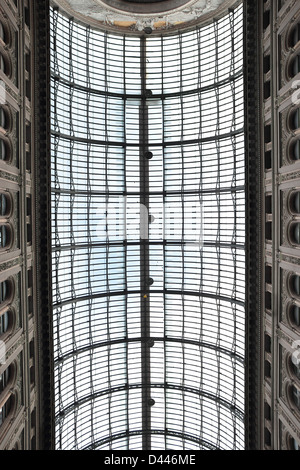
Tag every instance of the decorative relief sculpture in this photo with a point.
(139, 16)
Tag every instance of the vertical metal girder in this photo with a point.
(144, 255)
(254, 175)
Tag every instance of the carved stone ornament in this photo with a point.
(290, 424)
(145, 15)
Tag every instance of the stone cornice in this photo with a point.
(99, 14)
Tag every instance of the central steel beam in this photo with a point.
(144, 254)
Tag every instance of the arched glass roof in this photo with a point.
(148, 233)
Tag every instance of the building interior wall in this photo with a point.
(280, 141)
(18, 365)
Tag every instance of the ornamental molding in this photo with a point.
(105, 14)
(288, 422)
(285, 337)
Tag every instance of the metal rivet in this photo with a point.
(149, 155)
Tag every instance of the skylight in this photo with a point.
(148, 233)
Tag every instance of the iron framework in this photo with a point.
(148, 237)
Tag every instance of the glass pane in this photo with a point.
(296, 233)
(4, 323)
(296, 396)
(295, 315)
(3, 152)
(296, 202)
(296, 35)
(296, 285)
(296, 65)
(2, 34)
(296, 150)
(2, 63)
(3, 291)
(296, 117)
(3, 236)
(2, 118)
(3, 204)
(295, 445)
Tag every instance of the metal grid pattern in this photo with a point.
(148, 236)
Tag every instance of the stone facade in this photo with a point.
(280, 47)
(18, 364)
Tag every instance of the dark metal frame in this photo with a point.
(254, 241)
(42, 233)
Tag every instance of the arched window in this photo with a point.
(7, 378)
(295, 396)
(294, 202)
(3, 323)
(7, 398)
(294, 36)
(5, 63)
(6, 204)
(294, 119)
(2, 31)
(5, 149)
(294, 314)
(294, 150)
(294, 366)
(294, 284)
(3, 205)
(2, 63)
(293, 444)
(6, 292)
(293, 228)
(295, 232)
(7, 313)
(5, 236)
(5, 117)
(3, 291)
(7, 409)
(293, 65)
(6, 322)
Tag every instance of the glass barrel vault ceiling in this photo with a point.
(148, 237)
